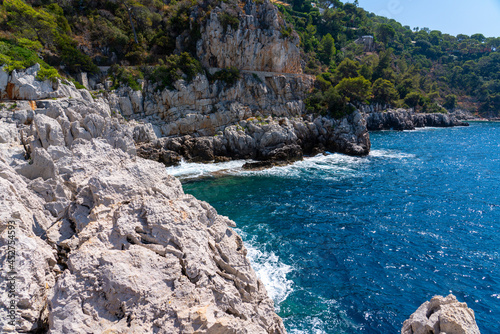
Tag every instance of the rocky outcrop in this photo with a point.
(107, 242)
(441, 315)
(249, 36)
(267, 139)
(24, 85)
(464, 115)
(203, 108)
(257, 39)
(403, 119)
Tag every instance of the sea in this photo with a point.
(356, 244)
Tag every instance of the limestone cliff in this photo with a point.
(403, 119)
(272, 139)
(258, 40)
(107, 242)
(204, 108)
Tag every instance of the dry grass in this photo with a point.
(278, 2)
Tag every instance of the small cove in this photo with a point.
(355, 245)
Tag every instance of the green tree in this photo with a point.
(354, 89)
(34, 24)
(413, 99)
(405, 87)
(327, 48)
(385, 33)
(450, 101)
(383, 68)
(384, 91)
(347, 69)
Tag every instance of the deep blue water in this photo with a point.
(355, 245)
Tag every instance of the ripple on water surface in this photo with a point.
(355, 245)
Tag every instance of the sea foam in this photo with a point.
(270, 270)
(190, 170)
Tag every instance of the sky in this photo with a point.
(448, 16)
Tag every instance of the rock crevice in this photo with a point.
(108, 241)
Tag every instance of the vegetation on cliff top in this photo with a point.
(396, 65)
(343, 45)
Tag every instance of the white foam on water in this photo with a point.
(391, 154)
(270, 270)
(427, 128)
(332, 165)
(197, 170)
(316, 326)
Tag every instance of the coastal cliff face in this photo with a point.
(204, 108)
(272, 139)
(243, 35)
(262, 116)
(255, 41)
(403, 119)
(107, 242)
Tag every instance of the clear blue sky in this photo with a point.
(449, 16)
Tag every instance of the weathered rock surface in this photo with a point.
(270, 139)
(23, 85)
(256, 44)
(463, 115)
(403, 119)
(441, 315)
(271, 81)
(108, 242)
(203, 108)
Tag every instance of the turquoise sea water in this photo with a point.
(355, 245)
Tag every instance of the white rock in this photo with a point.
(442, 315)
(41, 165)
(126, 106)
(48, 131)
(8, 133)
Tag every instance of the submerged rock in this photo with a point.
(443, 315)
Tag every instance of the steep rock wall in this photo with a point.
(403, 119)
(256, 44)
(274, 140)
(271, 83)
(107, 242)
(204, 108)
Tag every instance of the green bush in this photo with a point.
(19, 58)
(73, 58)
(176, 67)
(433, 107)
(413, 99)
(328, 103)
(384, 91)
(228, 20)
(48, 74)
(126, 76)
(354, 89)
(450, 101)
(286, 32)
(229, 76)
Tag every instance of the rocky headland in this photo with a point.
(407, 119)
(105, 240)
